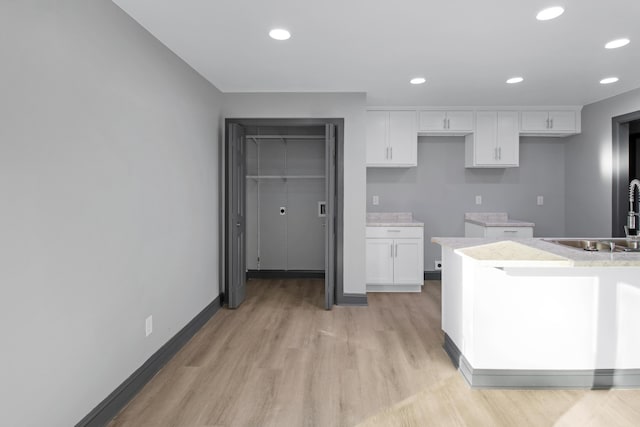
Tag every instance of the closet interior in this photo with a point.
(285, 200)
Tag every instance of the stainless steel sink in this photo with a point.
(599, 245)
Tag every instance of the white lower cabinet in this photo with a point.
(395, 259)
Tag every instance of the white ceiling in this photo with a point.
(466, 49)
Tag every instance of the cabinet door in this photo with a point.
(377, 137)
(432, 120)
(562, 120)
(484, 141)
(535, 121)
(460, 121)
(403, 138)
(508, 138)
(380, 258)
(408, 262)
(474, 230)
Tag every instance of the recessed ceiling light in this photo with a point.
(549, 13)
(614, 44)
(417, 80)
(279, 34)
(513, 80)
(609, 80)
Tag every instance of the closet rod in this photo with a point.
(285, 136)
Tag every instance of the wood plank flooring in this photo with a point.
(281, 360)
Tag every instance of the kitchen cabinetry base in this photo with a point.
(540, 378)
(394, 288)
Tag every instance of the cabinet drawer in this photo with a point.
(395, 232)
(513, 232)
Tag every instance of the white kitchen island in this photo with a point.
(532, 314)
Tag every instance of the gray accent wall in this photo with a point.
(350, 107)
(440, 190)
(109, 204)
(588, 171)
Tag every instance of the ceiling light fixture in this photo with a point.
(549, 13)
(514, 80)
(609, 80)
(279, 34)
(417, 80)
(614, 44)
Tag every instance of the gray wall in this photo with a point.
(351, 107)
(440, 190)
(588, 168)
(108, 184)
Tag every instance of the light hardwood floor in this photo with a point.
(281, 360)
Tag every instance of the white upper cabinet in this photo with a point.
(550, 123)
(437, 122)
(392, 139)
(495, 142)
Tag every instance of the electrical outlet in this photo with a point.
(540, 201)
(438, 264)
(376, 200)
(148, 326)
(478, 200)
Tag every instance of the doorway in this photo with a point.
(283, 194)
(626, 166)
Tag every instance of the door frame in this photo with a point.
(620, 171)
(339, 180)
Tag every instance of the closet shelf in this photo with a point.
(256, 177)
(254, 137)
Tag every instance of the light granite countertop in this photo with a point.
(494, 219)
(392, 219)
(534, 252)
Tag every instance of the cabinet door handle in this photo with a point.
(391, 246)
(444, 123)
(495, 154)
(391, 150)
(386, 153)
(448, 124)
(548, 124)
(396, 250)
(551, 124)
(499, 153)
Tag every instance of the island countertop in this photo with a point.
(534, 252)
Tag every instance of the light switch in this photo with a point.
(376, 200)
(478, 200)
(540, 201)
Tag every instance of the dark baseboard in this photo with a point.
(432, 275)
(352, 299)
(541, 379)
(118, 399)
(285, 274)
